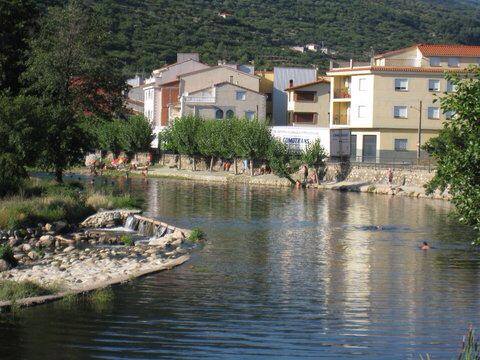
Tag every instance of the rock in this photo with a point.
(108, 218)
(46, 241)
(13, 242)
(32, 255)
(48, 227)
(19, 256)
(69, 249)
(162, 241)
(26, 248)
(60, 226)
(4, 265)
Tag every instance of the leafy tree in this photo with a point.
(314, 156)
(19, 134)
(75, 80)
(279, 157)
(252, 140)
(109, 136)
(18, 23)
(457, 148)
(210, 139)
(184, 136)
(137, 133)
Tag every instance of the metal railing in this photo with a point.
(200, 99)
(342, 93)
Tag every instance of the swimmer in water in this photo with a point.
(424, 246)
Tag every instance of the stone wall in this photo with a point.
(408, 176)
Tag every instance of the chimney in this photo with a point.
(291, 82)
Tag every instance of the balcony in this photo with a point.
(343, 93)
(200, 99)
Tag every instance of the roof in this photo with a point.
(400, 68)
(175, 64)
(319, 81)
(438, 50)
(217, 67)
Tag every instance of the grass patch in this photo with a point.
(44, 201)
(13, 290)
(101, 299)
(127, 240)
(6, 253)
(196, 235)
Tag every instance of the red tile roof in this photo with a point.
(319, 81)
(439, 50)
(400, 68)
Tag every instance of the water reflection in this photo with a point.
(285, 273)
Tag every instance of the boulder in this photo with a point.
(46, 241)
(108, 218)
(60, 226)
(48, 227)
(4, 265)
(69, 249)
(32, 255)
(26, 248)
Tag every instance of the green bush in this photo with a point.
(16, 290)
(196, 235)
(127, 240)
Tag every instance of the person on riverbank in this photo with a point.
(305, 173)
(390, 176)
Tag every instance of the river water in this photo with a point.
(284, 274)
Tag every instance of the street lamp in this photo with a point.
(419, 128)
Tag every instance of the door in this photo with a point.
(369, 152)
(353, 147)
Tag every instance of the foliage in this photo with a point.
(196, 235)
(210, 139)
(101, 299)
(133, 134)
(49, 202)
(470, 347)
(6, 253)
(75, 81)
(19, 133)
(184, 135)
(279, 157)
(127, 240)
(16, 290)
(314, 156)
(457, 148)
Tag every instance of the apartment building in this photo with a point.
(161, 90)
(266, 88)
(309, 104)
(221, 92)
(388, 104)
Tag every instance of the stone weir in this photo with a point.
(97, 254)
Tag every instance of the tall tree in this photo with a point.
(18, 20)
(75, 81)
(457, 148)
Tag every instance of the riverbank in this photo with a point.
(53, 263)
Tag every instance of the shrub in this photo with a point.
(196, 235)
(6, 253)
(314, 156)
(16, 290)
(127, 240)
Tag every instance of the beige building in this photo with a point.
(389, 101)
(309, 104)
(226, 100)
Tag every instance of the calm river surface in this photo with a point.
(284, 274)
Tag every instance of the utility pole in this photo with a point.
(419, 131)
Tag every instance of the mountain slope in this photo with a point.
(147, 33)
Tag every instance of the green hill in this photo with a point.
(147, 33)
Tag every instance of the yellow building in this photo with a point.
(308, 104)
(388, 103)
(266, 88)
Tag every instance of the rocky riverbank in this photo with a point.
(89, 258)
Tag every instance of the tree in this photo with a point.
(75, 81)
(210, 139)
(279, 157)
(457, 148)
(252, 139)
(184, 136)
(137, 133)
(19, 134)
(314, 156)
(17, 24)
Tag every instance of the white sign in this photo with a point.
(298, 137)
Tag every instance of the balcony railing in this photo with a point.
(200, 99)
(341, 119)
(342, 94)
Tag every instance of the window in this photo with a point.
(241, 95)
(400, 144)
(250, 115)
(219, 114)
(362, 84)
(362, 111)
(453, 62)
(401, 84)
(434, 61)
(230, 114)
(304, 117)
(449, 114)
(434, 113)
(305, 96)
(451, 87)
(400, 112)
(433, 85)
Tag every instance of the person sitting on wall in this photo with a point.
(390, 176)
(313, 178)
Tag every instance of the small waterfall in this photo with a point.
(131, 223)
(146, 227)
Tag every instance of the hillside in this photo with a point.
(145, 34)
